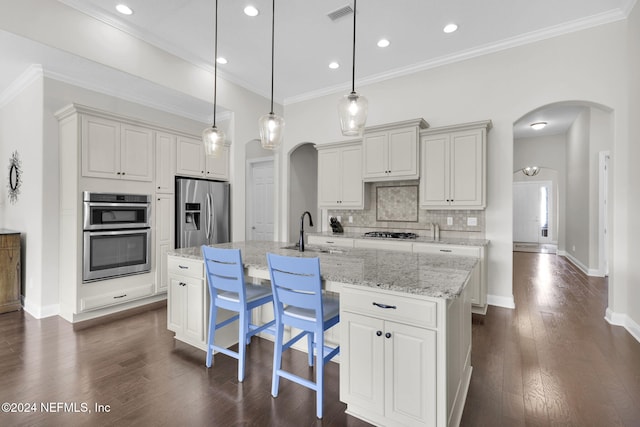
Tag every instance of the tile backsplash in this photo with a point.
(403, 208)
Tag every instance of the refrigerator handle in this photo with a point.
(212, 223)
(208, 219)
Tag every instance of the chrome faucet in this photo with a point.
(301, 242)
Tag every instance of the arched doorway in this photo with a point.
(303, 188)
(566, 152)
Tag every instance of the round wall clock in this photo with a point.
(15, 177)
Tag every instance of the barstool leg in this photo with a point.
(212, 333)
(277, 359)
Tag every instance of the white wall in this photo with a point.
(625, 308)
(502, 87)
(21, 130)
(303, 190)
(577, 232)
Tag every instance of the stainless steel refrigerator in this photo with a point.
(202, 212)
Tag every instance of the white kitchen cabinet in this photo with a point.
(390, 152)
(188, 305)
(164, 241)
(396, 366)
(192, 161)
(386, 245)
(453, 167)
(165, 162)
(115, 150)
(340, 176)
(342, 242)
(478, 291)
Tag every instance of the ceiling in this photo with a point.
(307, 40)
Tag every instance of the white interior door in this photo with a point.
(532, 212)
(260, 207)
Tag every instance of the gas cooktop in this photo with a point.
(390, 235)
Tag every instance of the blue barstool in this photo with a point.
(227, 289)
(298, 302)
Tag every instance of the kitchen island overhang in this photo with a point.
(405, 329)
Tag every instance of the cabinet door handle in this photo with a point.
(445, 250)
(329, 242)
(388, 335)
(377, 304)
(378, 333)
(184, 267)
(120, 296)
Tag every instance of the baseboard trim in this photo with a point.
(501, 301)
(40, 312)
(593, 272)
(83, 324)
(621, 319)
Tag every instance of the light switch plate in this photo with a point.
(350, 219)
(449, 220)
(472, 221)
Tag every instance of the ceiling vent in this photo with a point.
(340, 13)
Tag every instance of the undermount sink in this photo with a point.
(314, 249)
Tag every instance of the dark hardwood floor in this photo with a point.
(552, 361)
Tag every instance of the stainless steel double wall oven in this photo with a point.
(117, 235)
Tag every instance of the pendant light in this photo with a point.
(352, 108)
(212, 137)
(271, 125)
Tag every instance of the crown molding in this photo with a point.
(28, 76)
(524, 39)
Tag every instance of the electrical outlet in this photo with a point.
(573, 248)
(449, 220)
(472, 221)
(339, 218)
(350, 219)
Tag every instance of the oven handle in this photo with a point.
(119, 232)
(115, 205)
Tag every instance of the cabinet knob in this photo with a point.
(388, 335)
(118, 173)
(378, 333)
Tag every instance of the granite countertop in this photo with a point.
(419, 239)
(431, 275)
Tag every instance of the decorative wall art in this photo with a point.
(15, 177)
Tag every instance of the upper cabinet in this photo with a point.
(193, 162)
(453, 166)
(111, 149)
(390, 151)
(340, 176)
(165, 162)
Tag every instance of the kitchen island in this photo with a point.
(405, 329)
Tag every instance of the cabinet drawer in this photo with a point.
(385, 245)
(331, 241)
(116, 297)
(427, 248)
(405, 309)
(186, 267)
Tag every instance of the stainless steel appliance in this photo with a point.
(117, 235)
(202, 212)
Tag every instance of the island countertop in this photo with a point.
(430, 275)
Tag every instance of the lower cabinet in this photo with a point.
(188, 305)
(405, 360)
(389, 368)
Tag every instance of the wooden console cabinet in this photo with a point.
(9, 271)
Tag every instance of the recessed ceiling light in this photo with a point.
(221, 60)
(538, 125)
(124, 9)
(334, 65)
(383, 43)
(450, 28)
(251, 11)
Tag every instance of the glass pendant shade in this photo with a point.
(271, 131)
(213, 140)
(352, 110)
(531, 170)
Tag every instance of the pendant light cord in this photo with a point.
(273, 20)
(353, 68)
(215, 66)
